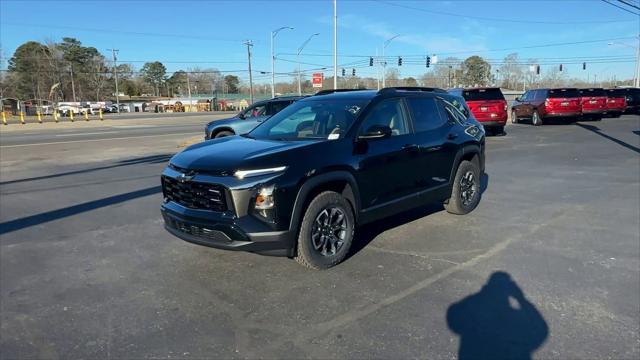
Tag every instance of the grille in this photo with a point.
(198, 231)
(194, 195)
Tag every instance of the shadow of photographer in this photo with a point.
(497, 322)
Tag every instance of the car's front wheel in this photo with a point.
(465, 194)
(514, 117)
(326, 232)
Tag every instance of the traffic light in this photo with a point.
(399, 61)
(353, 72)
(370, 61)
(428, 61)
(537, 69)
(560, 67)
(584, 66)
(344, 72)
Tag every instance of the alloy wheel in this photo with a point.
(329, 231)
(468, 188)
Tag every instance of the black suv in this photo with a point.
(300, 183)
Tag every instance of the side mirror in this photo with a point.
(241, 116)
(376, 132)
(517, 98)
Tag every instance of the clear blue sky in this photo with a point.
(182, 33)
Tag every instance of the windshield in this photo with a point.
(311, 119)
(563, 93)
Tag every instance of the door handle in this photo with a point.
(411, 147)
(452, 136)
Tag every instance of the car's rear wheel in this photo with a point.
(326, 232)
(514, 117)
(223, 133)
(536, 119)
(465, 194)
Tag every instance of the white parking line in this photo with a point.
(89, 133)
(92, 140)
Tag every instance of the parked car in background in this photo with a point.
(616, 102)
(488, 106)
(632, 98)
(540, 104)
(303, 181)
(594, 103)
(248, 118)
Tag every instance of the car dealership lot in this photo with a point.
(87, 269)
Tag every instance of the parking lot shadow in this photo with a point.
(153, 159)
(596, 130)
(33, 220)
(498, 322)
(369, 232)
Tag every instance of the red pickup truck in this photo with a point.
(594, 103)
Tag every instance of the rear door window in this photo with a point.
(563, 93)
(482, 94)
(425, 114)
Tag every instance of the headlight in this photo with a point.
(241, 174)
(264, 199)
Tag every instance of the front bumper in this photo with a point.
(235, 228)
(217, 232)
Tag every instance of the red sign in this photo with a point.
(317, 80)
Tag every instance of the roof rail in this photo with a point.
(331, 91)
(410, 88)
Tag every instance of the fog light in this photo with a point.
(264, 199)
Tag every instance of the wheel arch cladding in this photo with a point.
(342, 182)
(470, 152)
(216, 131)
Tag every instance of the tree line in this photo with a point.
(70, 71)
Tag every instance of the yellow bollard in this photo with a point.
(4, 118)
(86, 115)
(100, 113)
(39, 117)
(22, 117)
(71, 115)
(55, 116)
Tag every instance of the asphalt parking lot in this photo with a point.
(547, 266)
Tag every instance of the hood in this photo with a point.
(231, 153)
(223, 121)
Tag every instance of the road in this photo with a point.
(548, 264)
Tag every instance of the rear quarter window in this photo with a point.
(482, 94)
(425, 114)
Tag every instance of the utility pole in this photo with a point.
(378, 69)
(335, 44)
(249, 45)
(384, 60)
(73, 86)
(115, 75)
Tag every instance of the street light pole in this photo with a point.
(384, 61)
(636, 75)
(273, 59)
(335, 44)
(298, 60)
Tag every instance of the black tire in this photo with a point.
(514, 118)
(498, 130)
(308, 253)
(457, 203)
(223, 133)
(536, 120)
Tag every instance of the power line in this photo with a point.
(630, 4)
(183, 36)
(620, 7)
(498, 19)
